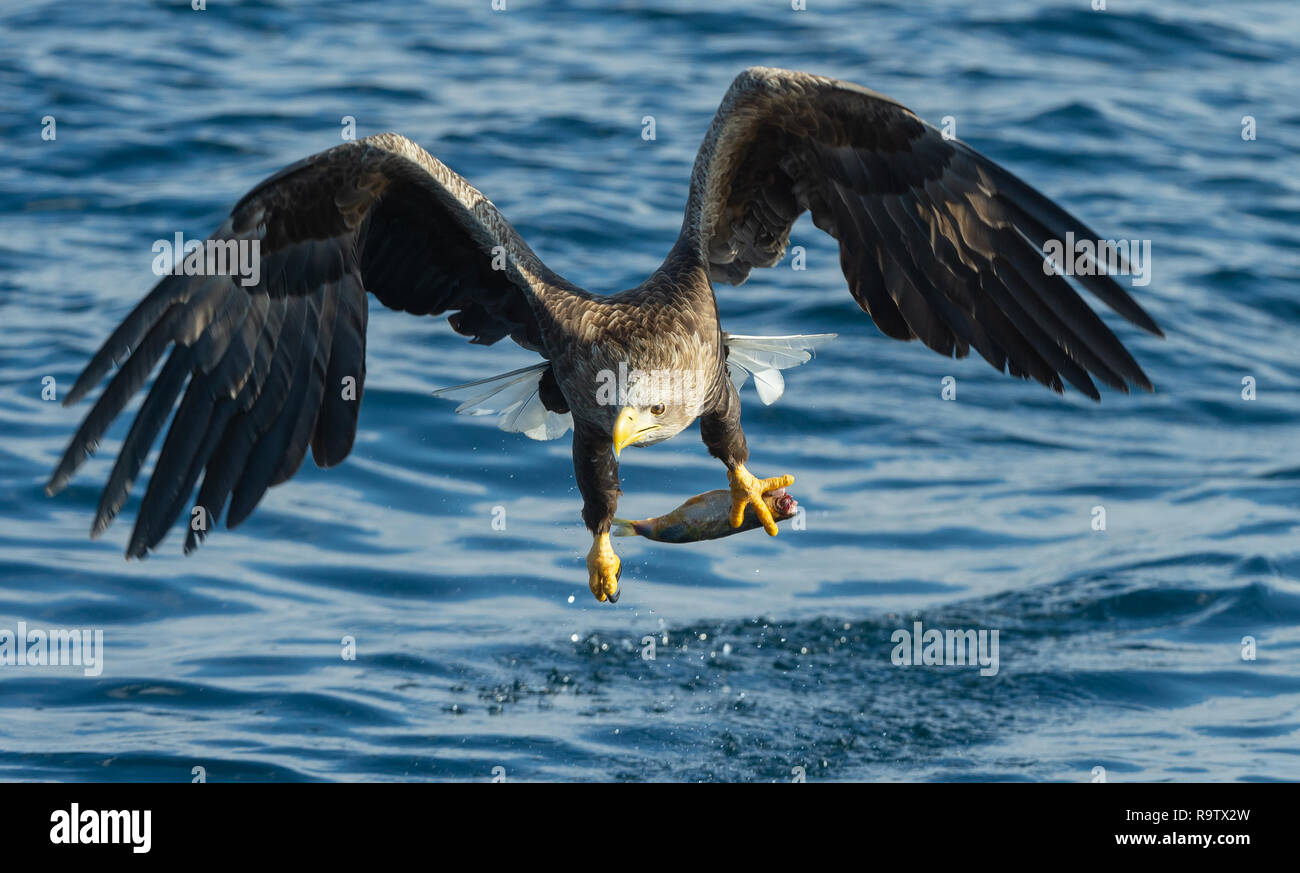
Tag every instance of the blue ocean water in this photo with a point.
(479, 649)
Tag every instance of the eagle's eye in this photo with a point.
(658, 409)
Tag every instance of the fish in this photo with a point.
(704, 517)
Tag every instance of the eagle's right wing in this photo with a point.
(271, 366)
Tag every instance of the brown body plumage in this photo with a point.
(936, 242)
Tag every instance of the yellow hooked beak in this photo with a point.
(628, 429)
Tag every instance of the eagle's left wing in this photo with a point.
(937, 242)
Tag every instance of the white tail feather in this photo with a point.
(764, 357)
(515, 399)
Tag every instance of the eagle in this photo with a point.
(936, 241)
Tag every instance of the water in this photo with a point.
(479, 649)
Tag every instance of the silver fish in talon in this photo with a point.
(704, 517)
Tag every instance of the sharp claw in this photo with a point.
(748, 490)
(602, 563)
(618, 590)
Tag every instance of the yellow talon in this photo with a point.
(603, 570)
(748, 490)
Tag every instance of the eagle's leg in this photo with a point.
(722, 433)
(596, 470)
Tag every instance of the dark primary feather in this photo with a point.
(261, 371)
(936, 241)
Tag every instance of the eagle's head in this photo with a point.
(647, 379)
(641, 407)
(656, 405)
(642, 425)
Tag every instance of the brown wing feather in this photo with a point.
(263, 368)
(936, 241)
